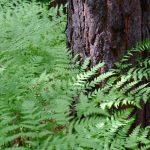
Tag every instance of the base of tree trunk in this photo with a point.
(105, 29)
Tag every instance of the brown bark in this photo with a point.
(58, 3)
(54, 3)
(105, 29)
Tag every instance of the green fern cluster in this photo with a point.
(49, 102)
(35, 75)
(107, 105)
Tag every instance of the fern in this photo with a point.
(49, 102)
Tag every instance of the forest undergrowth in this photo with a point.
(49, 102)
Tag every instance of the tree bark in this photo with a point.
(55, 3)
(105, 29)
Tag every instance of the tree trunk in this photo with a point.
(55, 3)
(105, 29)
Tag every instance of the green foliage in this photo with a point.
(46, 102)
